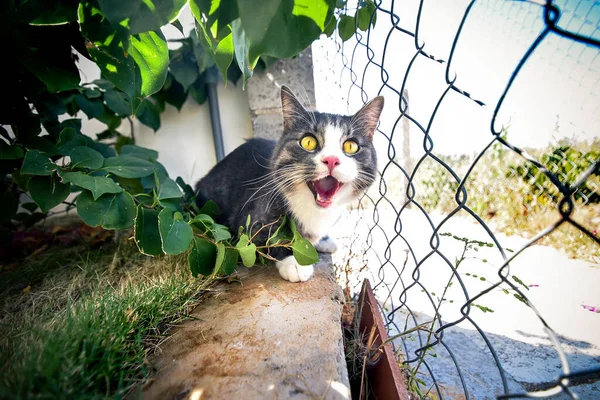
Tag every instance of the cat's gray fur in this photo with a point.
(268, 179)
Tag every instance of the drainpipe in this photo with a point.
(212, 79)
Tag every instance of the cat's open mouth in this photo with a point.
(324, 190)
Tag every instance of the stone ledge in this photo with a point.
(261, 337)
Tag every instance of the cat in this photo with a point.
(321, 163)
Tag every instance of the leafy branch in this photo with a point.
(117, 185)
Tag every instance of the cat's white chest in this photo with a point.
(316, 220)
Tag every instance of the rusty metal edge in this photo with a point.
(385, 378)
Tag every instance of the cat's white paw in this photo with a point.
(291, 271)
(326, 245)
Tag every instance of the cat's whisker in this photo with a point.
(255, 192)
(257, 162)
(308, 103)
(277, 171)
(296, 169)
(270, 174)
(284, 186)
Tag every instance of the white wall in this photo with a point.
(184, 141)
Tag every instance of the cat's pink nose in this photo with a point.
(331, 162)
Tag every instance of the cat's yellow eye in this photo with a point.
(350, 147)
(308, 143)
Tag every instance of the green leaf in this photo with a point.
(21, 180)
(203, 222)
(118, 102)
(97, 185)
(127, 166)
(185, 71)
(101, 148)
(304, 252)
(111, 211)
(91, 107)
(50, 105)
(68, 140)
(330, 27)
(213, 30)
(104, 84)
(483, 308)
(520, 282)
(55, 12)
(92, 93)
(201, 56)
(42, 144)
(107, 134)
(282, 28)
(210, 208)
(141, 15)
(363, 18)
(112, 120)
(45, 51)
(84, 157)
(10, 152)
(218, 13)
(47, 191)
(202, 257)
(247, 251)
(139, 152)
(220, 232)
(198, 90)
(146, 233)
(242, 48)
(31, 207)
(136, 64)
(282, 233)
(220, 256)
(122, 141)
(159, 175)
(169, 190)
(149, 115)
(176, 235)
(294, 229)
(187, 189)
(230, 262)
(372, 11)
(346, 27)
(172, 93)
(37, 163)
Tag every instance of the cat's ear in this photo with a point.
(292, 109)
(368, 116)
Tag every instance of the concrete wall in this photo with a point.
(264, 92)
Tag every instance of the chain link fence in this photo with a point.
(476, 172)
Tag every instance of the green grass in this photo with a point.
(511, 204)
(87, 321)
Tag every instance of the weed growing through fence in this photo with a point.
(82, 323)
(469, 248)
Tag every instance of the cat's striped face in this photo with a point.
(326, 159)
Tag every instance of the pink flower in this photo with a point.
(534, 285)
(595, 232)
(591, 308)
